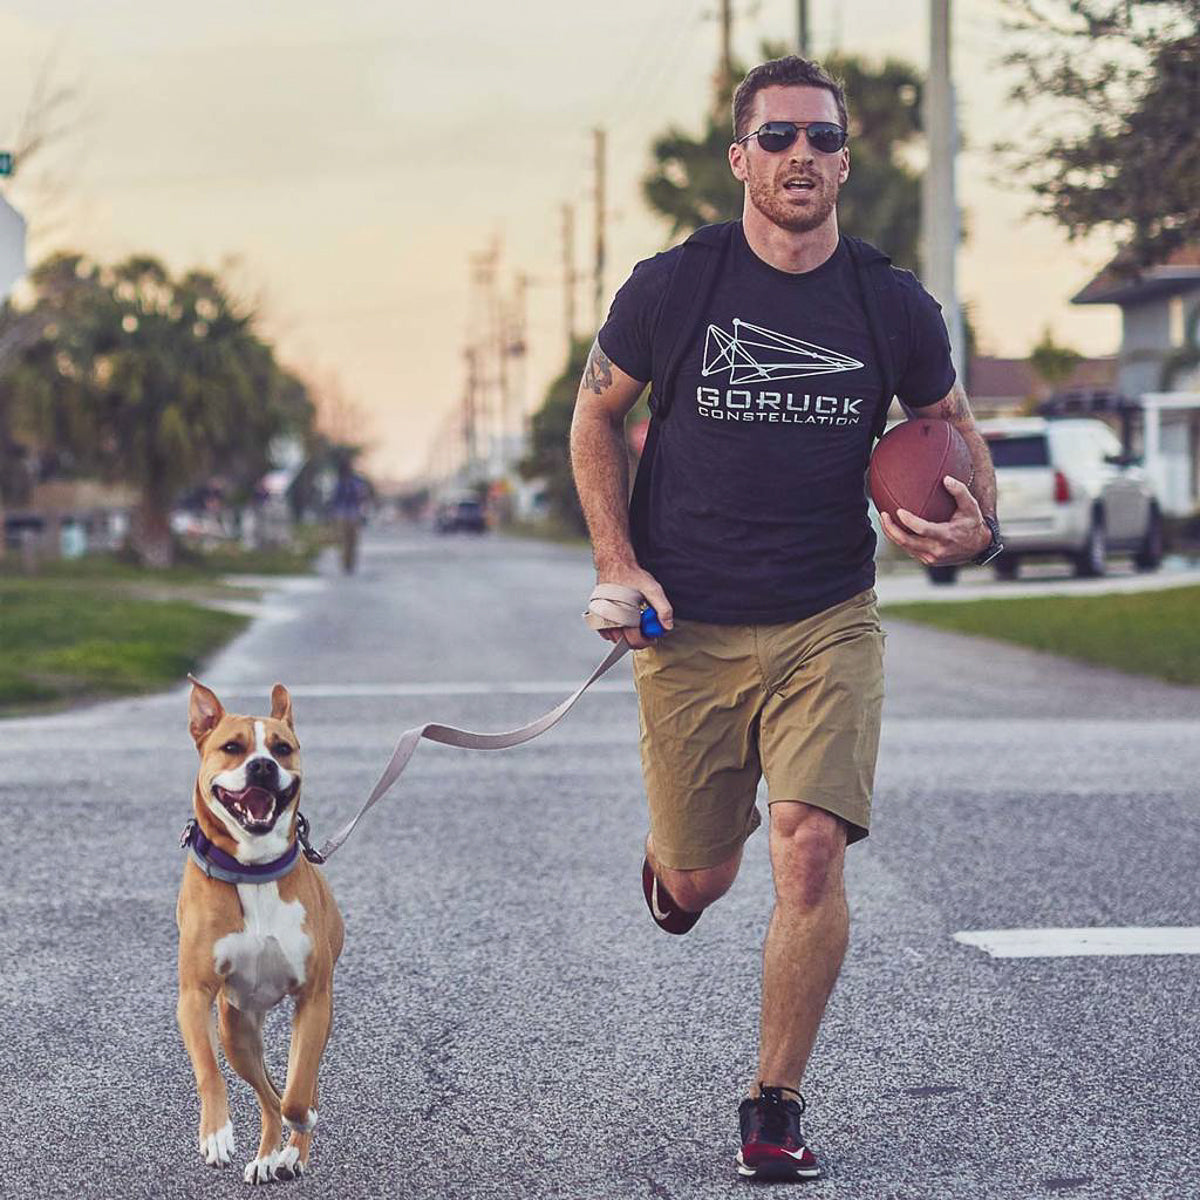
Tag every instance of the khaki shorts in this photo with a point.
(723, 705)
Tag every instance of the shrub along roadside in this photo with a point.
(98, 627)
(1143, 633)
(61, 642)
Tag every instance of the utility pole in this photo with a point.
(568, 246)
(518, 347)
(939, 205)
(504, 407)
(726, 68)
(601, 220)
(802, 28)
(485, 365)
(468, 425)
(723, 77)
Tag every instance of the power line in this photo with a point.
(392, 160)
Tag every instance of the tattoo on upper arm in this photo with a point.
(953, 408)
(959, 405)
(597, 376)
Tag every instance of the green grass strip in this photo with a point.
(1143, 633)
(63, 640)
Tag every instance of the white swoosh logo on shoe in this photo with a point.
(659, 915)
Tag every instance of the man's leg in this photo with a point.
(695, 890)
(806, 939)
(699, 697)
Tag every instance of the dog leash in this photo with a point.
(610, 606)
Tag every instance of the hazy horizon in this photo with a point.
(352, 161)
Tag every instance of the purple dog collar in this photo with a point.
(216, 864)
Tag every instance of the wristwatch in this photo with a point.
(994, 547)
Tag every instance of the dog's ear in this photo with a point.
(281, 705)
(204, 711)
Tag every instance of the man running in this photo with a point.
(346, 507)
(749, 534)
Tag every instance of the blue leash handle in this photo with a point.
(650, 625)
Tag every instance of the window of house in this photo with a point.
(1175, 316)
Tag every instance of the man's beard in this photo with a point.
(766, 198)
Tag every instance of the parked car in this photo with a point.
(1065, 489)
(465, 513)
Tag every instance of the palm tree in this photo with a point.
(152, 380)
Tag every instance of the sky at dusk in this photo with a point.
(347, 160)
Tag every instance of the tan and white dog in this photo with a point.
(257, 922)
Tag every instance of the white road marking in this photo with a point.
(1073, 943)
(337, 691)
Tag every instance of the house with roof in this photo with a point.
(1008, 387)
(1158, 366)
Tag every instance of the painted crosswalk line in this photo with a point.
(1073, 943)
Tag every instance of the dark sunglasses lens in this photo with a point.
(777, 135)
(826, 138)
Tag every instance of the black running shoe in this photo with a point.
(666, 913)
(772, 1140)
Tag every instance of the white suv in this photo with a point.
(1064, 488)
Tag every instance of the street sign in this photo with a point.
(12, 246)
(6, 163)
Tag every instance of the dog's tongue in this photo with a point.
(258, 802)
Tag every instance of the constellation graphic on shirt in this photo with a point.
(752, 354)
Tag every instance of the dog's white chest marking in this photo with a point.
(265, 960)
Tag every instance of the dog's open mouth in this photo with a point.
(256, 809)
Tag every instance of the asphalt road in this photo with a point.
(510, 1023)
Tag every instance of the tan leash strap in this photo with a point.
(612, 606)
(466, 740)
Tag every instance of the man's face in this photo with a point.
(777, 184)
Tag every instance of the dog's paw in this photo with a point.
(261, 1170)
(217, 1148)
(307, 1126)
(288, 1164)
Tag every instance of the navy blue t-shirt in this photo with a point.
(757, 508)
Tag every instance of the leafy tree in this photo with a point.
(691, 185)
(155, 380)
(549, 455)
(1054, 363)
(1121, 153)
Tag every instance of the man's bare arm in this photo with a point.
(600, 463)
(956, 408)
(965, 534)
(599, 459)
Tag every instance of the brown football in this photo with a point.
(909, 464)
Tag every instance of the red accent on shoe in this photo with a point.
(774, 1162)
(773, 1138)
(667, 914)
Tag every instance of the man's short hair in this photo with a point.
(791, 71)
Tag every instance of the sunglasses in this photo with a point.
(774, 136)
